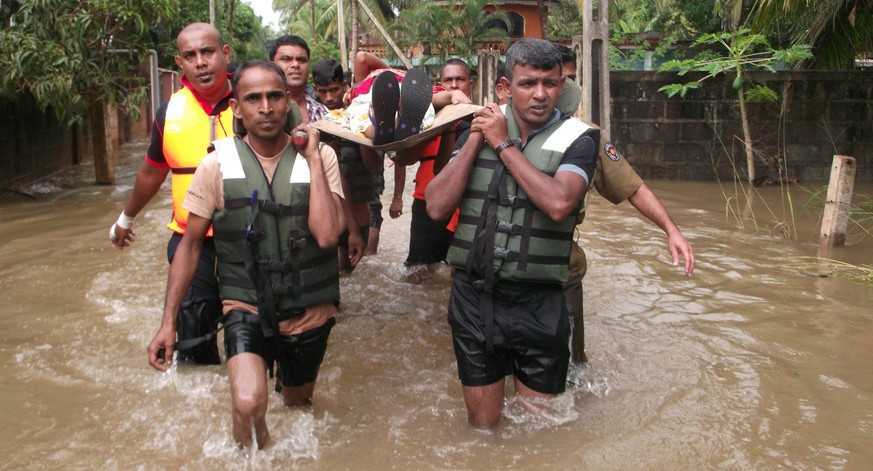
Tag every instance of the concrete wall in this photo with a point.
(664, 138)
(32, 143)
(695, 137)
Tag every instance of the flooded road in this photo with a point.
(753, 363)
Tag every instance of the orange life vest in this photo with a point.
(188, 132)
(425, 171)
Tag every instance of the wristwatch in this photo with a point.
(503, 145)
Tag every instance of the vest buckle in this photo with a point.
(502, 254)
(481, 286)
(297, 244)
(508, 228)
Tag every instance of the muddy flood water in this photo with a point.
(755, 362)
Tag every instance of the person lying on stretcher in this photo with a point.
(387, 105)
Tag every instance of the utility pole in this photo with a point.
(592, 62)
(344, 54)
(385, 34)
(212, 12)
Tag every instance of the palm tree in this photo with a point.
(288, 11)
(837, 30)
(455, 29)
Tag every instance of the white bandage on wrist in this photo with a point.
(124, 221)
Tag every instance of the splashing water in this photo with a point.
(584, 377)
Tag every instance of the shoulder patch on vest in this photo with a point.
(568, 131)
(611, 152)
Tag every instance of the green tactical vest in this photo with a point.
(262, 240)
(521, 242)
(360, 179)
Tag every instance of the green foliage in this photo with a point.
(453, 30)
(679, 88)
(324, 42)
(67, 54)
(565, 21)
(837, 30)
(296, 16)
(742, 50)
(248, 40)
(760, 94)
(649, 30)
(674, 19)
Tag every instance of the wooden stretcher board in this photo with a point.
(444, 119)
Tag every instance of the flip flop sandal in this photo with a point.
(415, 97)
(386, 96)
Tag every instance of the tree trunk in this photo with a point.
(387, 37)
(231, 6)
(104, 166)
(541, 11)
(353, 46)
(341, 30)
(747, 133)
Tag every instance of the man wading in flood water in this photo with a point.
(183, 130)
(276, 216)
(519, 179)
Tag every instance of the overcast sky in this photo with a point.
(264, 9)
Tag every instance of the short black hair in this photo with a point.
(326, 71)
(259, 63)
(567, 53)
(537, 53)
(286, 40)
(455, 61)
(500, 72)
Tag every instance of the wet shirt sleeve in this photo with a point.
(580, 158)
(155, 152)
(331, 170)
(615, 180)
(205, 194)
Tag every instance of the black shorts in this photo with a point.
(531, 334)
(299, 356)
(429, 240)
(360, 180)
(200, 310)
(376, 213)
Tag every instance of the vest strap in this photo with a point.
(516, 230)
(230, 235)
(237, 203)
(271, 207)
(237, 282)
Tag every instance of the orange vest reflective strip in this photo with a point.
(188, 133)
